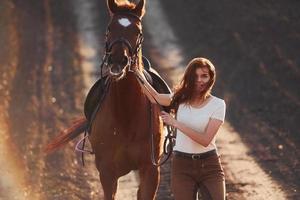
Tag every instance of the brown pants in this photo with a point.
(188, 176)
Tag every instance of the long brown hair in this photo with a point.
(184, 92)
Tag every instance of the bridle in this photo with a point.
(169, 141)
(132, 61)
(133, 50)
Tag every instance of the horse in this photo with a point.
(121, 128)
(121, 132)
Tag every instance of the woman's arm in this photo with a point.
(202, 138)
(162, 99)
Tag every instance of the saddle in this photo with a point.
(96, 92)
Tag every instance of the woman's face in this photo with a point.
(202, 79)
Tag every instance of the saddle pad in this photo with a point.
(96, 91)
(93, 97)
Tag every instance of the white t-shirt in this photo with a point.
(197, 119)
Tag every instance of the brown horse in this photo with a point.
(120, 132)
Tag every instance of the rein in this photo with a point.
(169, 138)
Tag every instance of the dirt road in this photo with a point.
(50, 58)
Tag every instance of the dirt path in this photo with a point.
(246, 179)
(41, 90)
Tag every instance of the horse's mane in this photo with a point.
(126, 6)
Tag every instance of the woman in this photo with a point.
(195, 164)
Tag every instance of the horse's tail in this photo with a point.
(67, 135)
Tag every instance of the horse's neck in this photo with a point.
(127, 92)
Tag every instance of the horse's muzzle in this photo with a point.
(117, 71)
(119, 68)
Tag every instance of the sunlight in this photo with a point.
(242, 168)
(86, 51)
(167, 52)
(88, 55)
(12, 179)
(12, 175)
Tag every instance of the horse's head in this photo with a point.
(123, 37)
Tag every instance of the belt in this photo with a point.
(196, 156)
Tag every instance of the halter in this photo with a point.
(133, 50)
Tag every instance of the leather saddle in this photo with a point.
(96, 92)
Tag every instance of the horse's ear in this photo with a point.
(112, 6)
(140, 8)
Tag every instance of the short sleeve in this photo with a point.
(219, 113)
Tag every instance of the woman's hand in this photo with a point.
(151, 93)
(168, 119)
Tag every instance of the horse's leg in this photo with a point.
(109, 185)
(149, 180)
(108, 180)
